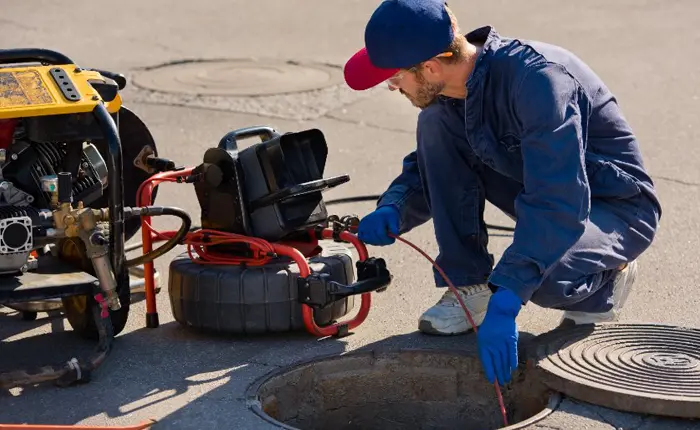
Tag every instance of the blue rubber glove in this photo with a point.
(498, 336)
(373, 228)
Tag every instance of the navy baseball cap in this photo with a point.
(399, 34)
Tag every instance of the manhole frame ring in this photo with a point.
(584, 390)
(137, 71)
(254, 404)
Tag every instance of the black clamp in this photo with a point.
(318, 290)
(347, 223)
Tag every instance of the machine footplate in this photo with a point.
(53, 278)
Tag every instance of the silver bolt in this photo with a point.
(14, 156)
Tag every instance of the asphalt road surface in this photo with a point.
(646, 51)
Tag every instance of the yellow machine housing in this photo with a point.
(31, 91)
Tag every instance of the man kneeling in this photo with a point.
(530, 128)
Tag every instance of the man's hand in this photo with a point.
(498, 336)
(374, 227)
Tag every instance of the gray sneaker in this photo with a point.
(622, 284)
(447, 316)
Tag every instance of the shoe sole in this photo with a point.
(427, 328)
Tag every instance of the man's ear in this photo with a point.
(432, 68)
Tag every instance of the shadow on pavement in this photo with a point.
(150, 373)
(197, 412)
(181, 377)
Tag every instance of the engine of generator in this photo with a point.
(37, 176)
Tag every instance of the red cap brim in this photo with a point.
(361, 74)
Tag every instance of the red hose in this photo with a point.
(142, 426)
(466, 311)
(197, 243)
(366, 298)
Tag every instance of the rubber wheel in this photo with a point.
(235, 299)
(78, 309)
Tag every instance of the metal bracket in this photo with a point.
(65, 84)
(140, 160)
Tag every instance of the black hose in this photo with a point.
(74, 371)
(170, 243)
(362, 198)
(353, 199)
(375, 197)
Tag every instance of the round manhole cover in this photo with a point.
(238, 77)
(648, 369)
(396, 390)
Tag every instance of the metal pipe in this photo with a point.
(108, 284)
(25, 55)
(115, 191)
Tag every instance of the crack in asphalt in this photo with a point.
(678, 181)
(19, 25)
(259, 363)
(364, 124)
(398, 130)
(332, 117)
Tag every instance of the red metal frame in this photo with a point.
(304, 271)
(144, 198)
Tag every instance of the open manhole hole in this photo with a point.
(244, 77)
(409, 389)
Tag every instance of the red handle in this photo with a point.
(304, 271)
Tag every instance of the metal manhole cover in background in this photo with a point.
(238, 77)
(647, 368)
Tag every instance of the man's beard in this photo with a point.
(427, 93)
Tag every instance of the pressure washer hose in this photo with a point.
(74, 371)
(171, 242)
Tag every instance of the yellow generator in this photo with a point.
(72, 157)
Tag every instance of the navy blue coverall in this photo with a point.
(542, 138)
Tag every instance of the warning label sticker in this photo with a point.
(23, 88)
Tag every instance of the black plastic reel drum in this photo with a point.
(270, 190)
(254, 300)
